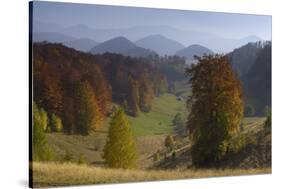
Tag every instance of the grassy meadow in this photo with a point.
(159, 120)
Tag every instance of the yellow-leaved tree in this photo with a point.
(120, 150)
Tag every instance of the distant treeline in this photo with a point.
(71, 84)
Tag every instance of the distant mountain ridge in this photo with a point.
(186, 37)
(121, 45)
(52, 37)
(82, 44)
(193, 50)
(160, 44)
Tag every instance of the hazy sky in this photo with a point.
(98, 16)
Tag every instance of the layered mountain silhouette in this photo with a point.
(52, 37)
(82, 44)
(160, 44)
(193, 50)
(185, 37)
(121, 45)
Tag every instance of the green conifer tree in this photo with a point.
(120, 150)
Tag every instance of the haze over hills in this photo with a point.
(157, 42)
(52, 37)
(193, 50)
(39, 26)
(121, 45)
(186, 37)
(82, 44)
(80, 31)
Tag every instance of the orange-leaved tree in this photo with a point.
(216, 108)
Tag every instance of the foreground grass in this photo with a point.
(55, 174)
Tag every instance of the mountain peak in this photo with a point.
(160, 44)
(120, 39)
(192, 50)
(120, 45)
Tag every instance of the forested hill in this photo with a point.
(252, 64)
(65, 79)
(244, 57)
(121, 45)
(257, 81)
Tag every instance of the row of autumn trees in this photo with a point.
(79, 88)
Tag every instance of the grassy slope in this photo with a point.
(52, 174)
(147, 129)
(91, 146)
(253, 124)
(159, 119)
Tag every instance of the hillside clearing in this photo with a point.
(159, 119)
(53, 174)
(92, 147)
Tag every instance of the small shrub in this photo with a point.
(156, 156)
(169, 142)
(55, 123)
(174, 154)
(237, 144)
(81, 159)
(249, 111)
(251, 139)
(267, 123)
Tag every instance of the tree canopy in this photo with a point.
(216, 108)
(120, 150)
(60, 74)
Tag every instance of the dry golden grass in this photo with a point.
(55, 174)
